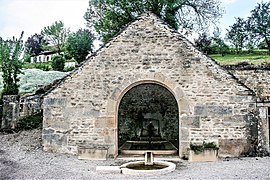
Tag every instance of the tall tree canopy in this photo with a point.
(79, 44)
(10, 52)
(108, 17)
(259, 22)
(56, 35)
(238, 34)
(34, 43)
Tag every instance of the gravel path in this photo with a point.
(21, 157)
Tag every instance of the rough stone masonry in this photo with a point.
(82, 111)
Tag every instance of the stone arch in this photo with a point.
(173, 88)
(156, 78)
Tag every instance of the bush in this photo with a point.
(30, 122)
(58, 63)
(69, 69)
(42, 66)
(27, 58)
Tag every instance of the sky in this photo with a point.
(31, 16)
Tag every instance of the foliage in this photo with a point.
(262, 45)
(30, 122)
(34, 44)
(218, 45)
(10, 52)
(237, 34)
(79, 44)
(108, 17)
(203, 43)
(259, 23)
(26, 58)
(55, 35)
(198, 148)
(58, 63)
(45, 66)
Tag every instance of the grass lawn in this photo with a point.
(229, 59)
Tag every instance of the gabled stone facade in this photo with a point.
(82, 111)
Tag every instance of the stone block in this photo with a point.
(91, 113)
(208, 110)
(184, 106)
(54, 102)
(232, 147)
(92, 154)
(184, 134)
(192, 121)
(160, 77)
(105, 122)
(115, 94)
(111, 107)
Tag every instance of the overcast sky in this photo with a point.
(31, 16)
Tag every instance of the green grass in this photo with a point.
(229, 59)
(43, 66)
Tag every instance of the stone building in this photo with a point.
(150, 88)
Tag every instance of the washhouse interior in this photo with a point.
(148, 119)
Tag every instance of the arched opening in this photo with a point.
(148, 119)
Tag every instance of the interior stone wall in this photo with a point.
(147, 103)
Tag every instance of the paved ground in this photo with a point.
(21, 157)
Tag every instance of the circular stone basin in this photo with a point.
(139, 168)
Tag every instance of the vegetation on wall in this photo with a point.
(198, 148)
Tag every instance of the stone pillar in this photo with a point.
(11, 110)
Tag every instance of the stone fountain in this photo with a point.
(148, 166)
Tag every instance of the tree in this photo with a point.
(58, 63)
(34, 44)
(203, 42)
(108, 17)
(237, 34)
(218, 45)
(79, 44)
(56, 35)
(259, 23)
(10, 52)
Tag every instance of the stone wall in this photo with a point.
(256, 79)
(213, 105)
(30, 105)
(15, 107)
(10, 113)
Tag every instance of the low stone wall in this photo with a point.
(256, 78)
(30, 105)
(15, 107)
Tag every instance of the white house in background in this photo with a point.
(43, 57)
